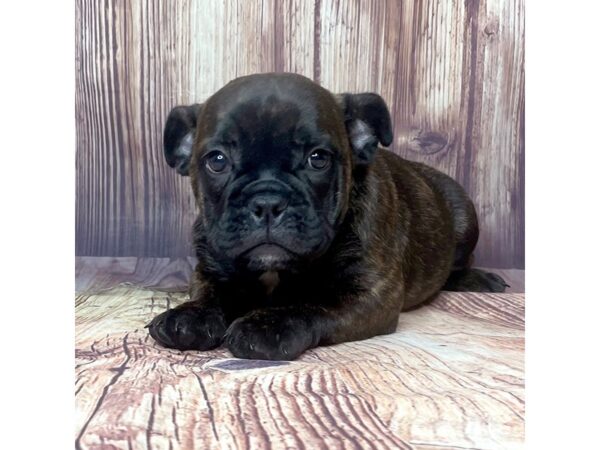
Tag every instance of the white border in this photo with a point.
(37, 231)
(562, 225)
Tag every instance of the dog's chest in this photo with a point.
(269, 280)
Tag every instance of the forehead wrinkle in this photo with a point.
(268, 118)
(284, 107)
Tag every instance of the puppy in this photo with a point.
(307, 233)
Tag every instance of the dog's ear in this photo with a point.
(178, 136)
(368, 124)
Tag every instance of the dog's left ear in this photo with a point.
(368, 124)
(178, 136)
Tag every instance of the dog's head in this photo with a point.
(271, 158)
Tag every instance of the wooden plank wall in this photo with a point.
(451, 71)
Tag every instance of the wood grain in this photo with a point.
(450, 377)
(452, 73)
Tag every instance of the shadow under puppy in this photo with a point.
(307, 233)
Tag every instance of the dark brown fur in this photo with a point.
(399, 230)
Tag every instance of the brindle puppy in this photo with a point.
(307, 234)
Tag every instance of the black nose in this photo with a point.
(267, 207)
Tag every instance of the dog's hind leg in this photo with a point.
(474, 280)
(463, 277)
(466, 234)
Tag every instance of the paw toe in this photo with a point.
(187, 329)
(253, 338)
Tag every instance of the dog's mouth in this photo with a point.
(268, 256)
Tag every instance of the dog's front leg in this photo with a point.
(199, 324)
(284, 333)
(276, 333)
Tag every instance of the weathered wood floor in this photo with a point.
(451, 377)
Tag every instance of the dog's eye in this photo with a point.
(319, 159)
(217, 162)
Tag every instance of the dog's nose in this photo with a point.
(267, 207)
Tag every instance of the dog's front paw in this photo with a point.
(273, 334)
(188, 328)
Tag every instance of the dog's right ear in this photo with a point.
(178, 137)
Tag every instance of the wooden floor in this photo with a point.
(450, 377)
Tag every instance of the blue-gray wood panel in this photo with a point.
(452, 73)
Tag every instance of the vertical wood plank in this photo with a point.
(496, 170)
(297, 23)
(350, 34)
(127, 203)
(429, 97)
